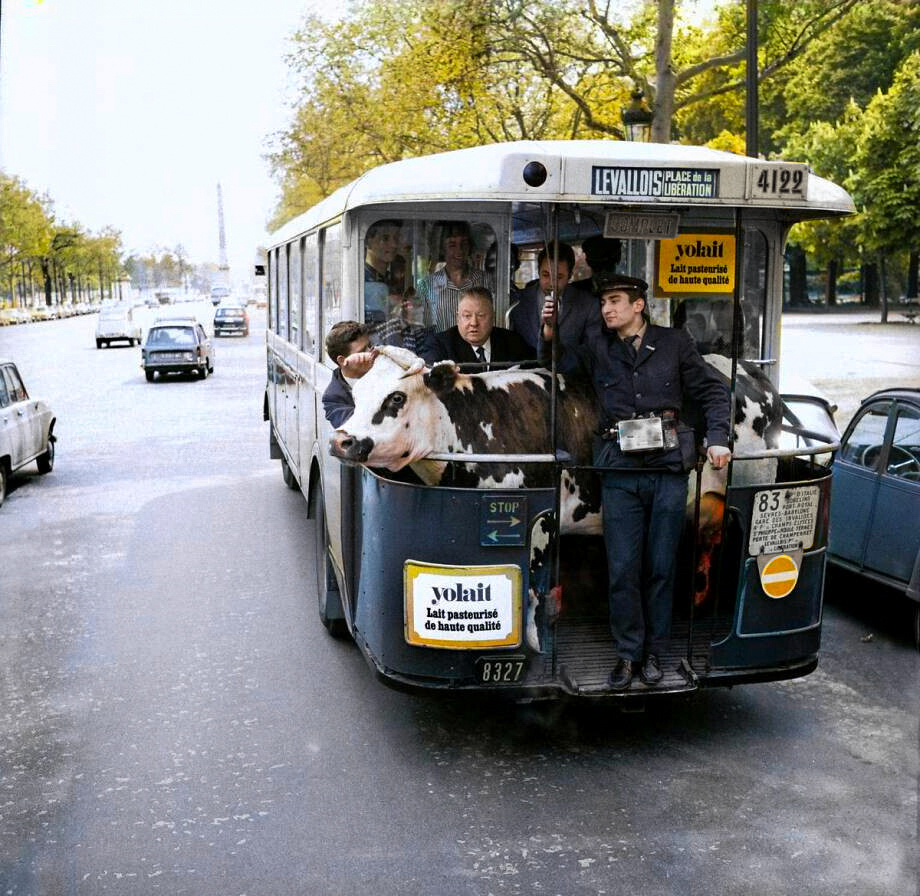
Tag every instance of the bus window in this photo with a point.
(310, 305)
(273, 286)
(295, 292)
(414, 273)
(281, 322)
(754, 292)
(331, 268)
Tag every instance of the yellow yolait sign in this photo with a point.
(696, 263)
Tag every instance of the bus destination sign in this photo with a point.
(654, 183)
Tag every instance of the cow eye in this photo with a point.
(397, 399)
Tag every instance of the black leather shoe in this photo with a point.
(621, 676)
(651, 672)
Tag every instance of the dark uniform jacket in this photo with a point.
(449, 345)
(338, 402)
(668, 374)
(578, 311)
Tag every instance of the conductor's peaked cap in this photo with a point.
(617, 281)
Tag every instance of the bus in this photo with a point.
(706, 229)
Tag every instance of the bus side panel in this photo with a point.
(432, 525)
(772, 632)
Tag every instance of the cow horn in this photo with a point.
(402, 357)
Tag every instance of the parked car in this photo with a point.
(180, 345)
(26, 428)
(875, 494)
(231, 317)
(117, 324)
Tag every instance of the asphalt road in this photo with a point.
(174, 719)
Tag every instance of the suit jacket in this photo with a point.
(450, 345)
(578, 312)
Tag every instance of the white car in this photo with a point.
(117, 324)
(26, 428)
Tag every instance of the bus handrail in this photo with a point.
(826, 447)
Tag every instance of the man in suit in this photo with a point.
(475, 339)
(578, 311)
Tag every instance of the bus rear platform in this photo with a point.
(736, 635)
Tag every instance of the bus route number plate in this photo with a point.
(784, 519)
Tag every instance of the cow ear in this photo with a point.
(442, 378)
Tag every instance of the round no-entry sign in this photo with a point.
(779, 575)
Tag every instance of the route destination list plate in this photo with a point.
(784, 519)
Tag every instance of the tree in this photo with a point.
(875, 153)
(397, 79)
(25, 229)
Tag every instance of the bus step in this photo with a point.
(584, 657)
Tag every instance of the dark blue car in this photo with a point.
(875, 497)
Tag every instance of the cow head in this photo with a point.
(397, 419)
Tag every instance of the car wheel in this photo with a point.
(46, 461)
(149, 375)
(327, 590)
(4, 476)
(98, 343)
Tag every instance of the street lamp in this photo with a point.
(637, 118)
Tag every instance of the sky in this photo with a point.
(128, 113)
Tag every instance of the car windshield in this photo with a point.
(172, 336)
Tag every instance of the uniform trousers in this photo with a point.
(644, 516)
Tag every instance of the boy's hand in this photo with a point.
(359, 363)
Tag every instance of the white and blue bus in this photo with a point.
(706, 230)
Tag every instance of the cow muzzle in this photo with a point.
(348, 448)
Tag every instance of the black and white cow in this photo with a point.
(405, 412)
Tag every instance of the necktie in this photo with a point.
(481, 354)
(631, 345)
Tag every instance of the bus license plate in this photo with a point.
(500, 670)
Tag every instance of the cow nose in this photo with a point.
(347, 447)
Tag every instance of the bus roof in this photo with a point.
(600, 171)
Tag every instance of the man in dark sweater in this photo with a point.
(643, 375)
(348, 344)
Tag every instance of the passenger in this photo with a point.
(644, 371)
(348, 344)
(577, 311)
(381, 267)
(440, 291)
(405, 323)
(475, 339)
(602, 255)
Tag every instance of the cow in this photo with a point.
(405, 412)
